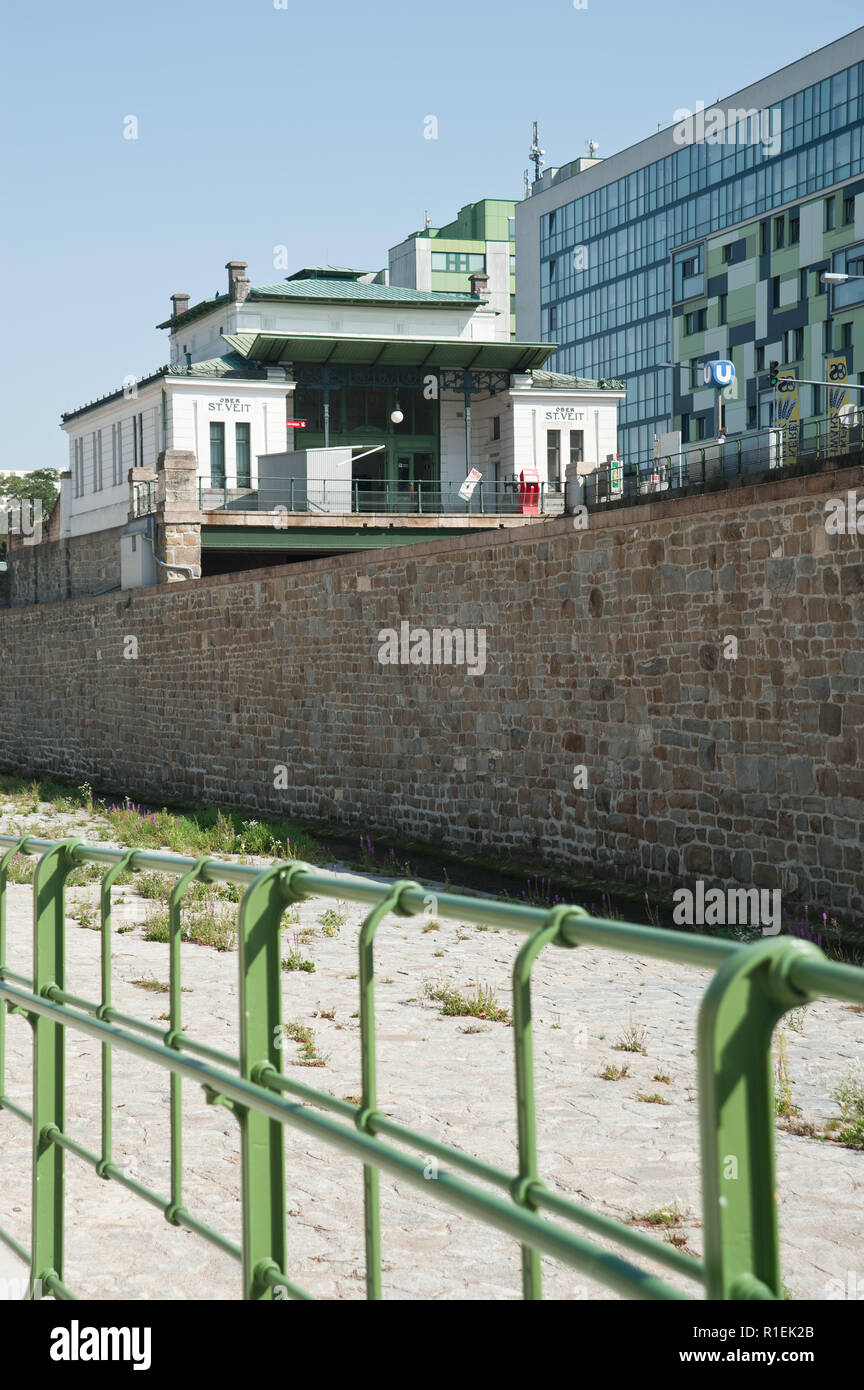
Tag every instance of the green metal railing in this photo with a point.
(752, 987)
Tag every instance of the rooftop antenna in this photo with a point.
(536, 154)
(527, 178)
(592, 147)
(427, 222)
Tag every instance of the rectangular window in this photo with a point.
(700, 426)
(760, 359)
(817, 400)
(794, 228)
(802, 285)
(751, 417)
(553, 317)
(799, 344)
(688, 275)
(694, 322)
(117, 453)
(553, 458)
(727, 252)
(458, 262)
(722, 309)
(78, 467)
(243, 453)
(848, 211)
(97, 460)
(764, 238)
(779, 233)
(830, 215)
(577, 446)
(138, 441)
(846, 335)
(495, 427)
(685, 429)
(217, 453)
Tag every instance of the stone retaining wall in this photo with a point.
(610, 649)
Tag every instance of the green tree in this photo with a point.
(22, 489)
(43, 483)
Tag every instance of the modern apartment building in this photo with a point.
(709, 240)
(478, 243)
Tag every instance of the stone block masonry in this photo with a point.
(64, 569)
(672, 693)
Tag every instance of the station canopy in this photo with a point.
(285, 348)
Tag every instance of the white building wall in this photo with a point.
(203, 339)
(262, 405)
(98, 509)
(498, 269)
(190, 406)
(526, 416)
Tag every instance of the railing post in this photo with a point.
(526, 1110)
(108, 882)
(262, 1140)
(4, 870)
(739, 1011)
(49, 1071)
(368, 1065)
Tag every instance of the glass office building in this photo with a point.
(707, 240)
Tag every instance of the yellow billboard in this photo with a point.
(787, 414)
(838, 434)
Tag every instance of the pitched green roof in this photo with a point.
(556, 381)
(232, 364)
(316, 290)
(328, 272)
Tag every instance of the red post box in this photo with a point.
(529, 492)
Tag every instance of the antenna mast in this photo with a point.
(536, 155)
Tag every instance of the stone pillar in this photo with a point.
(178, 518)
(137, 476)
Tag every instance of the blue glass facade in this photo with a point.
(612, 316)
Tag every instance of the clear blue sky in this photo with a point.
(302, 126)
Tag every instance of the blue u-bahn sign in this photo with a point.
(719, 374)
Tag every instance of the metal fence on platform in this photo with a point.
(752, 986)
(346, 497)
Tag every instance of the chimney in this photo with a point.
(480, 285)
(180, 303)
(238, 285)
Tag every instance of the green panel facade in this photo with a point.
(761, 299)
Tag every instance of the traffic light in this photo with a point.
(773, 369)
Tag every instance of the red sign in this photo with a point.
(296, 424)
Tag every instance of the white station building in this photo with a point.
(418, 386)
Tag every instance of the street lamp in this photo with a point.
(396, 415)
(837, 277)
